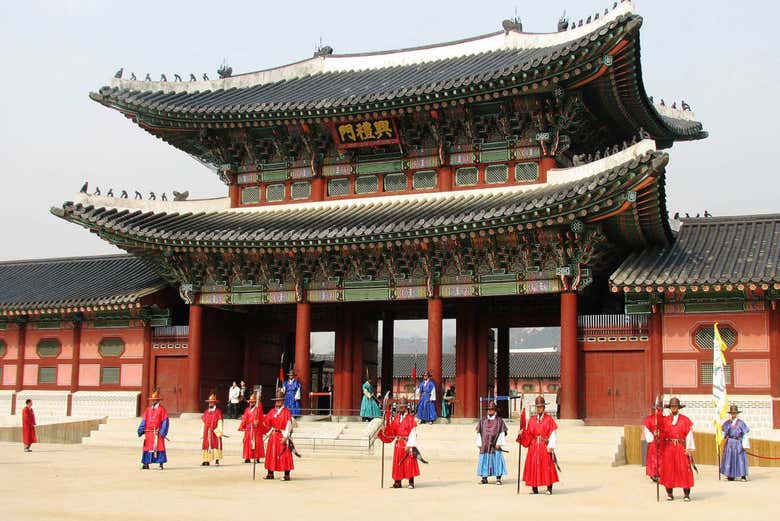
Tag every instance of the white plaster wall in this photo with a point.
(96, 404)
(46, 404)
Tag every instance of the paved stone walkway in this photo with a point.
(76, 482)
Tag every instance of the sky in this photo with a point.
(719, 56)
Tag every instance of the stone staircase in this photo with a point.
(185, 433)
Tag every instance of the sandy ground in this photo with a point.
(76, 482)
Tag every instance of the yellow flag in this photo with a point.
(719, 384)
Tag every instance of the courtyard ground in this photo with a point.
(78, 482)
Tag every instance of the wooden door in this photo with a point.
(628, 389)
(598, 385)
(170, 375)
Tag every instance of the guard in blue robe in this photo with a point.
(426, 396)
(292, 394)
(734, 462)
(491, 438)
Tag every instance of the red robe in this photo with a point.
(676, 469)
(654, 448)
(28, 426)
(404, 466)
(253, 425)
(153, 422)
(539, 465)
(278, 456)
(211, 441)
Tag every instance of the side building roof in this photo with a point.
(75, 284)
(709, 251)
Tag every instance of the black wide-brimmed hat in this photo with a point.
(674, 401)
(734, 409)
(540, 401)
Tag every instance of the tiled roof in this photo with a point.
(378, 218)
(715, 250)
(521, 365)
(52, 284)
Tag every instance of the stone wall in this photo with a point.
(114, 404)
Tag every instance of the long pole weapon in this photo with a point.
(520, 445)
(386, 412)
(657, 441)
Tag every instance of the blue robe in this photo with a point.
(426, 409)
(734, 463)
(491, 432)
(291, 388)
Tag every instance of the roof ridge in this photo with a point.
(698, 221)
(53, 260)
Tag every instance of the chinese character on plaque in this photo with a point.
(365, 133)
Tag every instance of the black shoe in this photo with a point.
(247, 461)
(411, 482)
(483, 482)
(144, 467)
(396, 484)
(744, 478)
(216, 462)
(534, 490)
(687, 498)
(654, 479)
(549, 490)
(161, 466)
(256, 461)
(270, 475)
(204, 464)
(731, 479)
(287, 476)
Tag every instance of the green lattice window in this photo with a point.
(48, 348)
(525, 172)
(47, 375)
(301, 190)
(109, 375)
(553, 388)
(366, 184)
(2, 350)
(250, 195)
(705, 336)
(705, 373)
(395, 182)
(111, 347)
(528, 388)
(466, 176)
(424, 180)
(338, 187)
(496, 174)
(274, 193)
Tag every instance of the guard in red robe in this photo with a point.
(278, 453)
(540, 439)
(402, 429)
(154, 429)
(28, 426)
(676, 462)
(212, 433)
(652, 428)
(253, 427)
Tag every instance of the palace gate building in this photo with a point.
(506, 180)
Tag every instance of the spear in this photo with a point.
(520, 445)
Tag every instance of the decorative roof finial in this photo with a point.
(563, 22)
(225, 70)
(119, 73)
(322, 50)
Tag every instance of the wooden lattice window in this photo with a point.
(705, 373)
(525, 172)
(301, 190)
(48, 348)
(111, 347)
(395, 182)
(496, 174)
(466, 176)
(3, 350)
(424, 180)
(367, 184)
(274, 193)
(338, 187)
(47, 375)
(705, 336)
(250, 195)
(109, 375)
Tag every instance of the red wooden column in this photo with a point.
(303, 350)
(774, 354)
(569, 356)
(470, 405)
(502, 369)
(235, 198)
(358, 374)
(146, 379)
(345, 390)
(338, 369)
(191, 400)
(318, 188)
(388, 347)
(656, 352)
(444, 178)
(461, 319)
(74, 366)
(21, 338)
(435, 317)
(545, 164)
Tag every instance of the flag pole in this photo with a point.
(520, 445)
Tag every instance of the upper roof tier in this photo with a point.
(712, 251)
(78, 283)
(495, 65)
